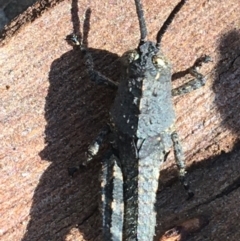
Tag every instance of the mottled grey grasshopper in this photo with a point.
(140, 132)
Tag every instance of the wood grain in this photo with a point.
(50, 112)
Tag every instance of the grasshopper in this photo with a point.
(141, 133)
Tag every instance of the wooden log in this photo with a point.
(50, 112)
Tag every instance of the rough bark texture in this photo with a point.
(50, 112)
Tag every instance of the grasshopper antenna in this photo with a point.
(168, 21)
(142, 24)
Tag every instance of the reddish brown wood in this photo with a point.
(50, 112)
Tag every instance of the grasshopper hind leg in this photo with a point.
(106, 195)
(112, 199)
(179, 157)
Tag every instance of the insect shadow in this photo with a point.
(75, 110)
(227, 81)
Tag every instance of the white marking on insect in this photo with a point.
(93, 149)
(160, 62)
(157, 76)
(135, 100)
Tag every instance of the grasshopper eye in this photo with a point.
(73, 40)
(159, 62)
(129, 56)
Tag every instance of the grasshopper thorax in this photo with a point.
(145, 81)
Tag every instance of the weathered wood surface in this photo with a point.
(50, 112)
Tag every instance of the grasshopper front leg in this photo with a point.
(196, 83)
(94, 75)
(81, 42)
